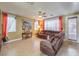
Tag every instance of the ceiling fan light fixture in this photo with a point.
(40, 16)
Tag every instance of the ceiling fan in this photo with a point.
(41, 14)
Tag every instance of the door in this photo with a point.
(72, 31)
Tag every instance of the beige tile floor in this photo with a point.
(31, 47)
(27, 47)
(69, 49)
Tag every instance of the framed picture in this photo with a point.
(27, 25)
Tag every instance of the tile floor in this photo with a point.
(69, 49)
(31, 47)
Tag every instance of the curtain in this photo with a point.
(9, 24)
(60, 23)
(41, 24)
(4, 27)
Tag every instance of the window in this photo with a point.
(52, 24)
(36, 25)
(11, 23)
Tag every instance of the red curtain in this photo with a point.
(4, 27)
(60, 23)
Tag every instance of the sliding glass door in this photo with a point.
(72, 31)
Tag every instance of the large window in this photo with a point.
(52, 24)
(36, 25)
(11, 23)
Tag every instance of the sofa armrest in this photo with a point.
(46, 47)
(46, 43)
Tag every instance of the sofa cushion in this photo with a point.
(51, 39)
(54, 41)
(57, 45)
(46, 43)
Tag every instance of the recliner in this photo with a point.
(51, 46)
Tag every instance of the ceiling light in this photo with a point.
(40, 16)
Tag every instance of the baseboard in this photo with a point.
(13, 40)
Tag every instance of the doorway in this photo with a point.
(72, 28)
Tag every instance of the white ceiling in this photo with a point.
(30, 9)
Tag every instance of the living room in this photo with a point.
(39, 29)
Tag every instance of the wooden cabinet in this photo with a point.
(26, 35)
(26, 29)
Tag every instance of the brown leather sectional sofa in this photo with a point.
(44, 34)
(52, 43)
